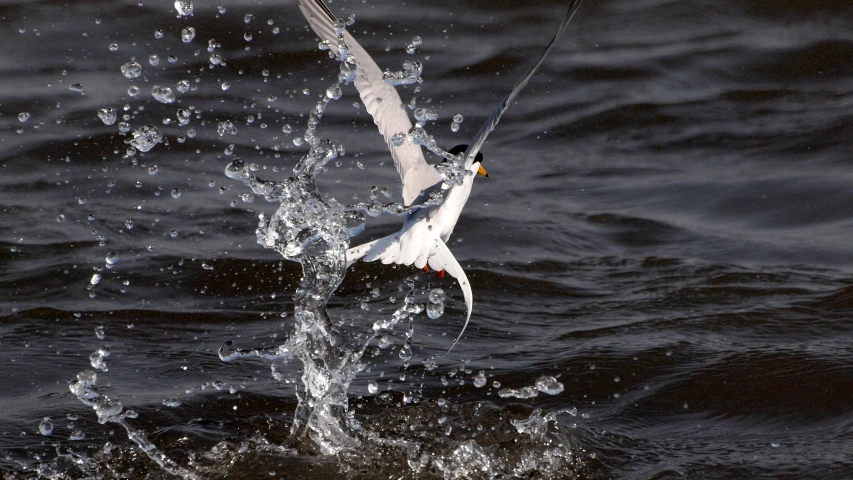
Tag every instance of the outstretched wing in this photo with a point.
(381, 101)
(495, 117)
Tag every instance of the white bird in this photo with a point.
(421, 240)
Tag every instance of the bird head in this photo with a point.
(459, 149)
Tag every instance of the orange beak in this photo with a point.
(482, 172)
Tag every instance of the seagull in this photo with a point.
(422, 239)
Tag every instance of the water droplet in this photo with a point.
(287, 129)
(425, 115)
(158, 33)
(113, 47)
(226, 85)
(131, 70)
(334, 92)
(176, 194)
(100, 332)
(111, 259)
(183, 116)
(397, 139)
(154, 60)
(188, 34)
(96, 359)
(107, 115)
(133, 91)
(128, 224)
(23, 117)
(247, 37)
(76, 87)
(77, 435)
(548, 384)
(435, 310)
(163, 94)
(480, 379)
(46, 426)
(60, 218)
(298, 141)
(146, 138)
(458, 118)
(172, 402)
(184, 7)
(526, 392)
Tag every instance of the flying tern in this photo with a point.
(422, 239)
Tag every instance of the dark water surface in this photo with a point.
(666, 228)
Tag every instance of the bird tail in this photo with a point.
(411, 248)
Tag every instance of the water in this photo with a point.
(665, 232)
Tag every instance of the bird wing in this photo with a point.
(381, 101)
(494, 118)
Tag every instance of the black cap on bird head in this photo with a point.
(459, 149)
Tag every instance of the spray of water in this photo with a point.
(314, 230)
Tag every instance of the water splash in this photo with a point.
(313, 230)
(112, 411)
